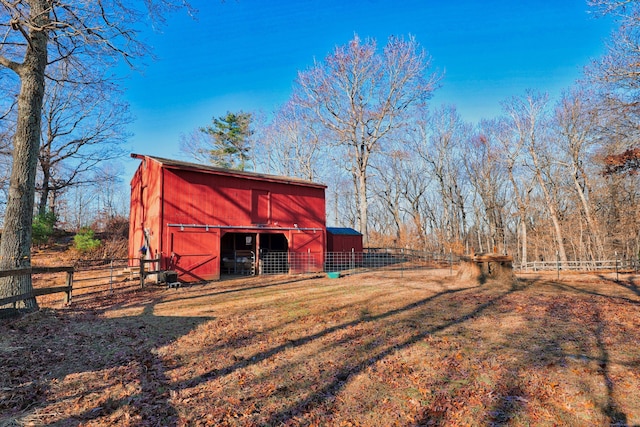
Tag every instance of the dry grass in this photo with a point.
(373, 349)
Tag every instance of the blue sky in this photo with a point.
(245, 54)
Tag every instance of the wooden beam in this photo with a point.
(34, 270)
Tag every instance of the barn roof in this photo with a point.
(180, 165)
(344, 231)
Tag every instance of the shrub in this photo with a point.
(42, 227)
(84, 240)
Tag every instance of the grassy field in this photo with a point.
(372, 349)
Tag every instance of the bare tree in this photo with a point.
(388, 190)
(89, 36)
(618, 69)
(617, 75)
(83, 127)
(488, 177)
(527, 115)
(511, 153)
(576, 123)
(291, 143)
(414, 185)
(359, 96)
(438, 141)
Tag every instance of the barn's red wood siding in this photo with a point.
(187, 209)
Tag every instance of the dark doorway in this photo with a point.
(274, 253)
(238, 252)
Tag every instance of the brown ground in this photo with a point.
(382, 348)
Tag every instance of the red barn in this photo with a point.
(202, 221)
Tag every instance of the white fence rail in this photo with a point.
(606, 265)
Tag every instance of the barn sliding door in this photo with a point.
(196, 254)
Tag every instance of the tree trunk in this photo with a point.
(44, 192)
(594, 230)
(523, 237)
(521, 204)
(551, 207)
(15, 246)
(363, 205)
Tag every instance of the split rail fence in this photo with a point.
(87, 279)
(39, 291)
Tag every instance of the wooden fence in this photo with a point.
(67, 288)
(628, 265)
(99, 277)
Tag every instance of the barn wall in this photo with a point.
(311, 245)
(200, 198)
(136, 213)
(145, 209)
(344, 243)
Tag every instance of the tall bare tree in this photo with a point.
(488, 178)
(528, 118)
(511, 153)
(89, 36)
(617, 74)
(388, 189)
(83, 127)
(439, 138)
(291, 144)
(576, 122)
(619, 68)
(360, 96)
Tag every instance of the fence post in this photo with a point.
(558, 263)
(111, 277)
(616, 265)
(352, 259)
(141, 273)
(67, 298)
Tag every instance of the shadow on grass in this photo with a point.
(568, 335)
(241, 288)
(568, 287)
(259, 357)
(630, 284)
(102, 352)
(342, 373)
(330, 391)
(610, 409)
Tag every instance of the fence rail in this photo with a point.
(105, 276)
(604, 265)
(67, 289)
